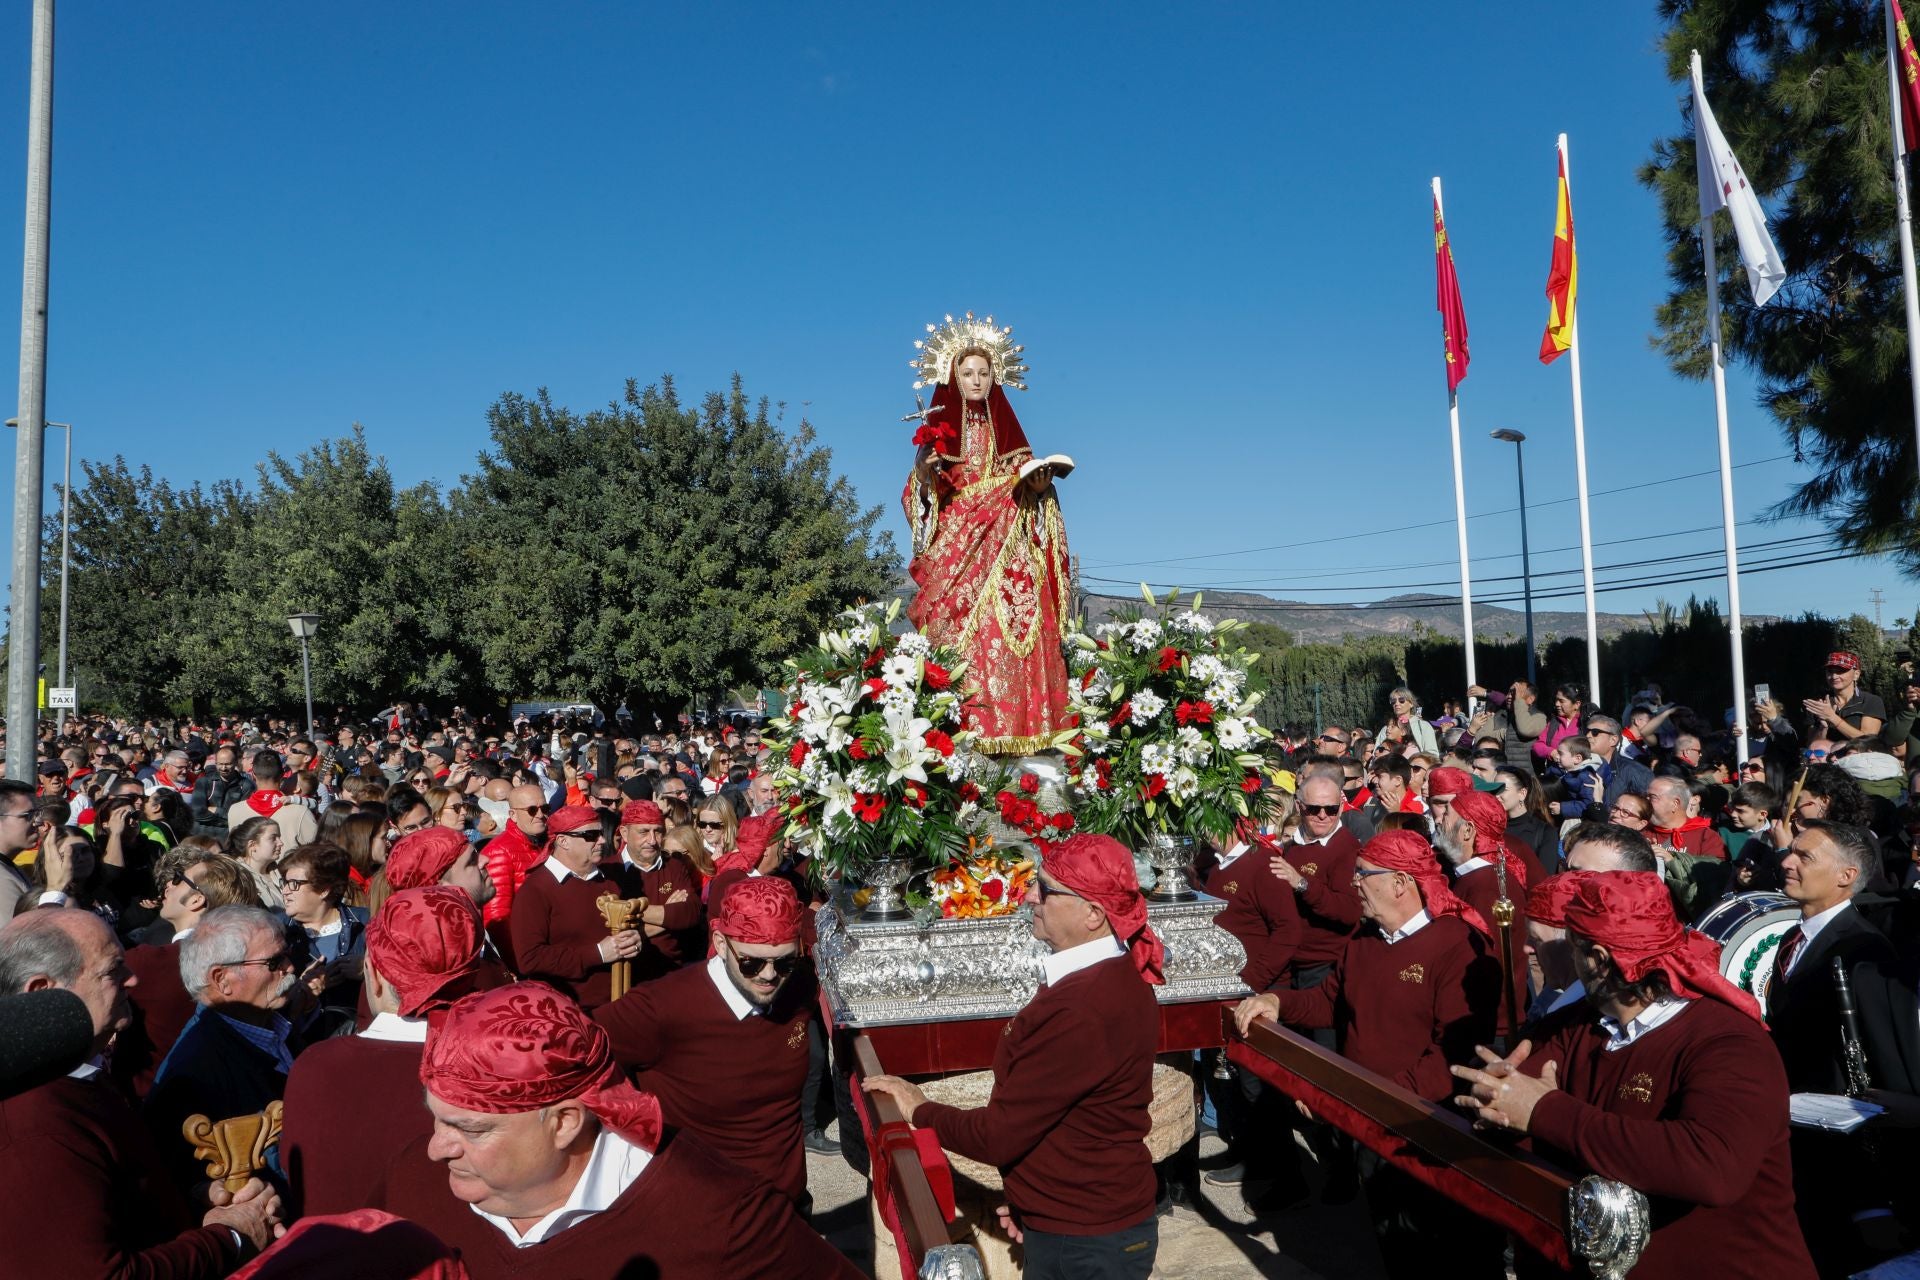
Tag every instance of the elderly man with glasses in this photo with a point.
(233, 1057)
(559, 934)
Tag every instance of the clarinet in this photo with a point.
(1851, 1052)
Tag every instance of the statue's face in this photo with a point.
(974, 376)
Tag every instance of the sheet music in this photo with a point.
(1833, 1112)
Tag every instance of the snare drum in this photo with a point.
(1748, 926)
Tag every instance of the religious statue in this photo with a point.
(989, 549)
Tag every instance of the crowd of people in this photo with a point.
(589, 944)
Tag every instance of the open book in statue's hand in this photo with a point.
(1060, 462)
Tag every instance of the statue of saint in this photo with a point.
(989, 549)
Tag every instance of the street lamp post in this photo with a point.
(304, 626)
(66, 560)
(1516, 439)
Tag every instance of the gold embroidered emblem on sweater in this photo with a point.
(799, 1036)
(1232, 887)
(1638, 1089)
(1414, 973)
(1312, 868)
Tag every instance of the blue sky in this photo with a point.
(1209, 223)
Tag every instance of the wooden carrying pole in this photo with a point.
(914, 1214)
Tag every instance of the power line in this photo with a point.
(1431, 524)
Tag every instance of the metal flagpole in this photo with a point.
(23, 623)
(1459, 503)
(1580, 466)
(1904, 206)
(1726, 488)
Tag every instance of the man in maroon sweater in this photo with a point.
(559, 935)
(1410, 997)
(671, 923)
(1072, 1077)
(724, 1045)
(85, 1190)
(1473, 841)
(1671, 1087)
(1318, 864)
(556, 1168)
(353, 1102)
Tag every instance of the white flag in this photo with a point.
(1724, 186)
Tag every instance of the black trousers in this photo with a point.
(1121, 1255)
(1415, 1225)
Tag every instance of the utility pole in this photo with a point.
(29, 458)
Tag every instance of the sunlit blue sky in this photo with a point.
(1208, 222)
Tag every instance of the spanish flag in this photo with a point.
(1563, 278)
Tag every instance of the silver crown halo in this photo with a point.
(943, 342)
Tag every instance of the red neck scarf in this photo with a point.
(266, 803)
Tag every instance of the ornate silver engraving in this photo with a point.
(1607, 1225)
(883, 973)
(952, 1262)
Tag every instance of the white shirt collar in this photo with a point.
(1471, 864)
(1659, 1012)
(626, 855)
(1232, 855)
(1419, 921)
(611, 1169)
(396, 1029)
(88, 1070)
(1578, 991)
(1810, 929)
(1061, 964)
(183, 933)
(560, 871)
(1300, 836)
(742, 1007)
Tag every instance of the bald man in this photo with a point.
(519, 848)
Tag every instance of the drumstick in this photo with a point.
(1793, 797)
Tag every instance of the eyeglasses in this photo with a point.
(1320, 810)
(710, 826)
(590, 834)
(293, 882)
(33, 816)
(754, 966)
(1052, 891)
(1327, 737)
(181, 877)
(1361, 873)
(281, 959)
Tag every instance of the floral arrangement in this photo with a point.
(875, 758)
(981, 885)
(1166, 743)
(1019, 805)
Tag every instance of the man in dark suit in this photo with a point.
(1826, 865)
(1621, 774)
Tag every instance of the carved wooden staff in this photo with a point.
(235, 1148)
(619, 913)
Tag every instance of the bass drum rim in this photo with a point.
(1748, 926)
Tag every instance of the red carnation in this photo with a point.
(797, 753)
(1030, 784)
(916, 794)
(1169, 658)
(1194, 712)
(875, 687)
(795, 710)
(939, 742)
(936, 676)
(1062, 821)
(1086, 678)
(1120, 716)
(941, 435)
(1103, 774)
(969, 792)
(857, 749)
(874, 659)
(1153, 786)
(1250, 783)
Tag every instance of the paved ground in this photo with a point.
(1218, 1239)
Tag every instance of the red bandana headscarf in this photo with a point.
(750, 842)
(1100, 869)
(426, 943)
(763, 912)
(420, 859)
(1631, 915)
(642, 813)
(1547, 901)
(1448, 781)
(1409, 852)
(1489, 819)
(363, 1242)
(525, 1046)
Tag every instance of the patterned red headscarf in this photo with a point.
(1409, 852)
(750, 841)
(1489, 819)
(763, 912)
(1631, 915)
(525, 1046)
(1547, 901)
(642, 813)
(1100, 869)
(426, 943)
(1449, 781)
(363, 1242)
(420, 859)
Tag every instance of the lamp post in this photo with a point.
(304, 626)
(66, 561)
(1516, 439)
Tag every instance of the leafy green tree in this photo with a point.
(1801, 92)
(650, 551)
(148, 567)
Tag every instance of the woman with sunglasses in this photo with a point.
(1404, 714)
(717, 825)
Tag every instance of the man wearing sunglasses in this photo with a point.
(1073, 1077)
(559, 935)
(1317, 862)
(724, 1045)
